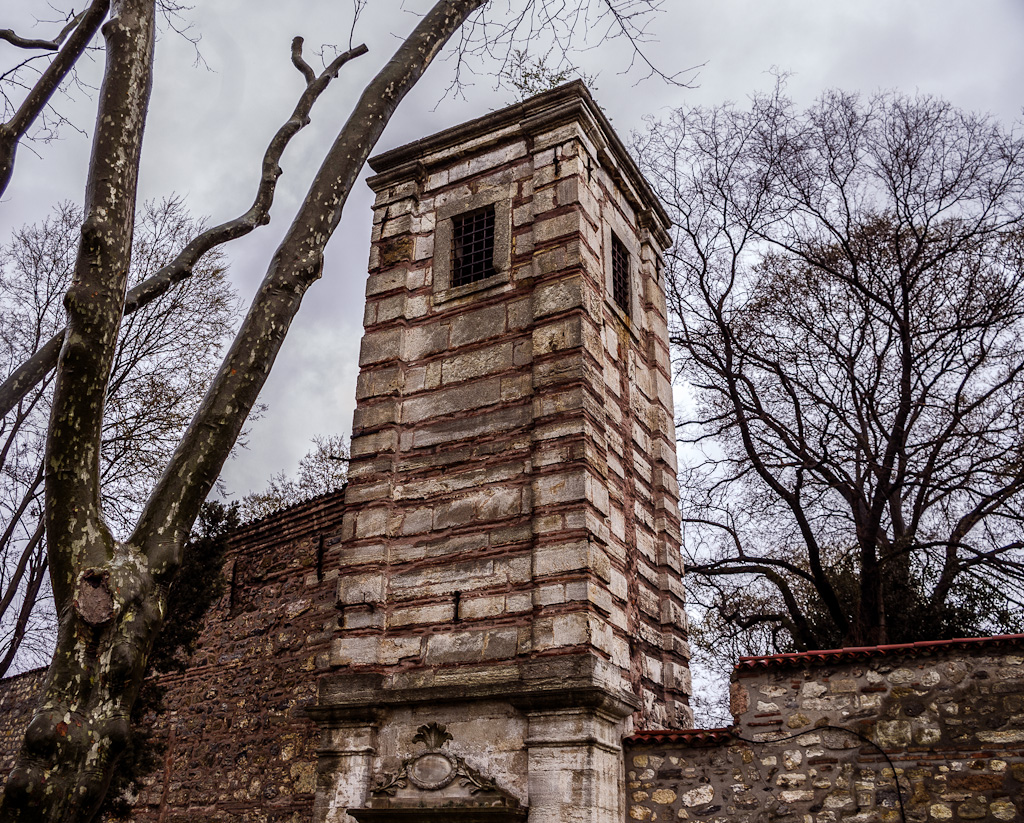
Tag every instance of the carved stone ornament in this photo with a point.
(434, 769)
(434, 735)
(437, 786)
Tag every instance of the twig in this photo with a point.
(29, 373)
(48, 45)
(85, 26)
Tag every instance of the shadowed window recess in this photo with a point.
(472, 246)
(620, 274)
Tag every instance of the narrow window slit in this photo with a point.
(620, 274)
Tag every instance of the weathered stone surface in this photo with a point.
(937, 714)
(491, 520)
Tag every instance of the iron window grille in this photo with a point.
(472, 246)
(620, 274)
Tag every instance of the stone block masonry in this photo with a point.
(922, 733)
(18, 697)
(513, 446)
(240, 746)
(511, 550)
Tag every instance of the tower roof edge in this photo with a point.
(564, 104)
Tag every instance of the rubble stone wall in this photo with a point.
(17, 698)
(924, 734)
(239, 746)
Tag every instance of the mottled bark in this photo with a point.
(108, 604)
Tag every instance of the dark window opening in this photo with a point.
(620, 274)
(472, 246)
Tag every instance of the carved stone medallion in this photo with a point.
(437, 786)
(433, 770)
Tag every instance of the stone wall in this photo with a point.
(925, 732)
(17, 698)
(239, 746)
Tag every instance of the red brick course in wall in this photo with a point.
(239, 744)
(513, 452)
(922, 648)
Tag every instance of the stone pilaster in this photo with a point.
(344, 764)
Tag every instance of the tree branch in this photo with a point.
(296, 264)
(29, 373)
(299, 63)
(85, 26)
(46, 45)
(804, 635)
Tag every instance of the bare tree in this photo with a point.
(324, 469)
(166, 353)
(110, 594)
(67, 47)
(532, 75)
(848, 293)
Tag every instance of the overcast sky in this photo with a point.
(209, 125)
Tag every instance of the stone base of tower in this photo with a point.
(541, 742)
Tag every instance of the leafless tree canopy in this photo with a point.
(166, 354)
(506, 32)
(110, 590)
(324, 469)
(847, 285)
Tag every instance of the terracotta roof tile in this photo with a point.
(919, 649)
(693, 738)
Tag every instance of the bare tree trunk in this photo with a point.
(869, 629)
(111, 597)
(81, 724)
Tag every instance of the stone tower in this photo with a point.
(510, 589)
